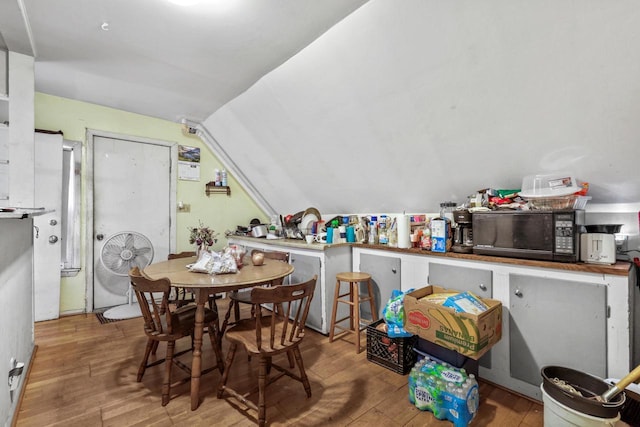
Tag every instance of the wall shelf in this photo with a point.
(212, 188)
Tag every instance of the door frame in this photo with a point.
(88, 217)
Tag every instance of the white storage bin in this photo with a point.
(557, 184)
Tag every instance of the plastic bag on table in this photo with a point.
(215, 263)
(393, 314)
(223, 263)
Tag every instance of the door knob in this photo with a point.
(518, 293)
(100, 236)
(53, 222)
(53, 239)
(483, 287)
(393, 270)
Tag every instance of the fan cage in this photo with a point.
(124, 250)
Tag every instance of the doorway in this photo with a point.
(130, 194)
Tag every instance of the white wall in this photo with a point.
(16, 235)
(16, 315)
(406, 104)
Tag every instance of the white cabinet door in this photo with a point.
(385, 277)
(556, 322)
(47, 244)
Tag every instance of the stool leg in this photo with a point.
(355, 293)
(351, 306)
(372, 301)
(335, 309)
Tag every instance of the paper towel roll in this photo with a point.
(404, 230)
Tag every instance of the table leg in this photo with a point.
(202, 296)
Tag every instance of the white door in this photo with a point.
(46, 243)
(132, 194)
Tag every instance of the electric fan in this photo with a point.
(120, 253)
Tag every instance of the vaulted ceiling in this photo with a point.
(363, 106)
(157, 58)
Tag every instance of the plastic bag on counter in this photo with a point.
(393, 314)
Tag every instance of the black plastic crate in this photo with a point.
(423, 347)
(395, 354)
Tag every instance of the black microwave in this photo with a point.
(542, 235)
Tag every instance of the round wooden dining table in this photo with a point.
(203, 285)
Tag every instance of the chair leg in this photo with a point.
(155, 347)
(236, 312)
(213, 336)
(225, 322)
(147, 351)
(303, 374)
(265, 364)
(291, 357)
(166, 384)
(225, 375)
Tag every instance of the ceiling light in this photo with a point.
(185, 2)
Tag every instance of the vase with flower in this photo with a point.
(203, 237)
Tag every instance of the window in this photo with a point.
(70, 218)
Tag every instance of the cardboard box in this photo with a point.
(469, 334)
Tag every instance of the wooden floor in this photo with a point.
(84, 374)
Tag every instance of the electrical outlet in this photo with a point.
(14, 374)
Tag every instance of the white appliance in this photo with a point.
(598, 248)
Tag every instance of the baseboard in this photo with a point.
(25, 380)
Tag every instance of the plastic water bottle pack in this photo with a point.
(446, 391)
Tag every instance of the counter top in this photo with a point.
(620, 268)
(290, 243)
(21, 213)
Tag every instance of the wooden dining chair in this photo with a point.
(162, 324)
(181, 296)
(244, 297)
(270, 334)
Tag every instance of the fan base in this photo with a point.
(126, 311)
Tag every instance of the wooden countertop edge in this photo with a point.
(620, 268)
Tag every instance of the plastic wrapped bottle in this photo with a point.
(223, 178)
(383, 236)
(446, 391)
(373, 234)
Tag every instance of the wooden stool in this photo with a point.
(354, 301)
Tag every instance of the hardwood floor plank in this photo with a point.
(84, 374)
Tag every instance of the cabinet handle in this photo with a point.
(393, 270)
(483, 287)
(518, 293)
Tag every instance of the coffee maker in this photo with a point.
(463, 234)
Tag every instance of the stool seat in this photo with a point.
(353, 299)
(352, 276)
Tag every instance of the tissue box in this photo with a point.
(471, 335)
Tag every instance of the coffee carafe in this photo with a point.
(463, 234)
